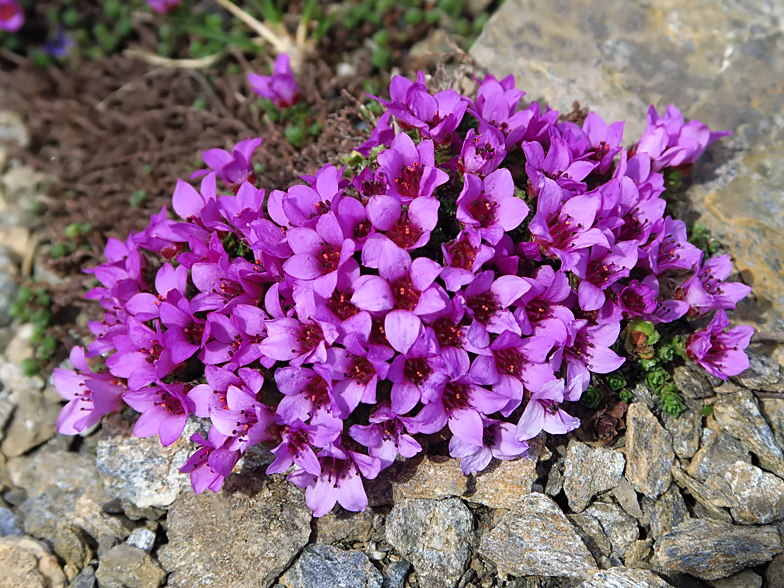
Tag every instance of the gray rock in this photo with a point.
(85, 579)
(775, 572)
(625, 578)
(667, 512)
(760, 495)
(692, 381)
(739, 415)
(594, 537)
(395, 574)
(142, 538)
(8, 286)
(502, 483)
(555, 479)
(713, 494)
(6, 410)
(433, 535)
(685, 429)
(243, 537)
(140, 470)
(32, 424)
(54, 469)
(535, 538)
(744, 579)
(716, 60)
(714, 458)
(649, 452)
(588, 471)
(126, 566)
(28, 563)
(12, 130)
(764, 373)
(627, 498)
(324, 566)
(773, 410)
(70, 545)
(9, 525)
(711, 550)
(343, 525)
(619, 527)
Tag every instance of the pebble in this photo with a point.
(588, 471)
(126, 566)
(760, 496)
(649, 452)
(28, 563)
(625, 578)
(142, 538)
(324, 566)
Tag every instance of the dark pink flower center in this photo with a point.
(562, 229)
(339, 303)
(194, 332)
(171, 403)
(600, 272)
(7, 11)
(483, 210)
(408, 180)
(447, 333)
(310, 336)
(362, 370)
(417, 370)
(154, 352)
(488, 437)
(328, 259)
(463, 254)
(378, 335)
(456, 397)
(510, 361)
(405, 295)
(318, 394)
(484, 306)
(248, 419)
(404, 233)
(538, 309)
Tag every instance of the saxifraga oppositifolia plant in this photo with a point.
(471, 272)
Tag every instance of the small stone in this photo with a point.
(70, 545)
(536, 538)
(64, 471)
(773, 410)
(12, 130)
(744, 579)
(588, 471)
(432, 477)
(142, 538)
(6, 410)
(243, 537)
(32, 424)
(627, 498)
(395, 574)
(721, 451)
(90, 517)
(714, 493)
(692, 381)
(555, 479)
(739, 415)
(685, 428)
(775, 572)
(760, 495)
(344, 526)
(764, 373)
(9, 524)
(594, 538)
(28, 563)
(502, 483)
(648, 451)
(433, 535)
(126, 566)
(140, 470)
(637, 554)
(324, 566)
(619, 527)
(625, 578)
(85, 579)
(711, 550)
(667, 512)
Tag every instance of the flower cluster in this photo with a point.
(11, 16)
(466, 280)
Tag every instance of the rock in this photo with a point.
(739, 415)
(685, 429)
(395, 574)
(637, 554)
(433, 535)
(85, 579)
(627, 498)
(9, 525)
(243, 537)
(140, 470)
(711, 550)
(649, 452)
(714, 458)
(432, 477)
(502, 483)
(620, 528)
(343, 526)
(44, 512)
(33, 423)
(764, 373)
(773, 410)
(324, 566)
(28, 563)
(535, 538)
(8, 286)
(555, 479)
(760, 495)
(715, 60)
(594, 538)
(12, 130)
(714, 494)
(667, 512)
(744, 579)
(6, 410)
(142, 538)
(692, 381)
(64, 470)
(477, 7)
(588, 471)
(625, 578)
(70, 545)
(126, 566)
(775, 572)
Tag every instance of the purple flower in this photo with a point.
(487, 301)
(490, 205)
(413, 372)
(290, 340)
(498, 440)
(165, 409)
(603, 269)
(11, 16)
(720, 353)
(464, 257)
(558, 165)
(671, 248)
(58, 46)
(706, 290)
(589, 351)
(141, 357)
(309, 397)
(296, 447)
(605, 140)
(540, 310)
(383, 134)
(481, 154)
(244, 418)
(90, 395)
(281, 87)
(410, 169)
(385, 436)
(339, 482)
(233, 168)
(210, 465)
(638, 299)
(543, 413)
(409, 229)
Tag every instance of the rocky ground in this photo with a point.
(692, 501)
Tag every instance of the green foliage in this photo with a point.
(616, 381)
(707, 410)
(626, 396)
(137, 198)
(592, 397)
(671, 400)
